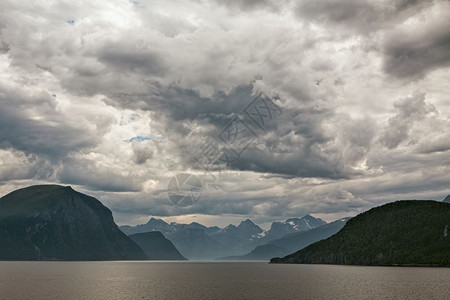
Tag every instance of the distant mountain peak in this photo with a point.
(248, 225)
(156, 221)
(230, 226)
(247, 222)
(447, 199)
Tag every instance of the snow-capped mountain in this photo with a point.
(278, 229)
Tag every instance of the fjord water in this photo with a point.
(217, 280)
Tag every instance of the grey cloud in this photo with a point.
(348, 11)
(409, 110)
(248, 5)
(141, 152)
(412, 55)
(132, 58)
(358, 15)
(86, 173)
(293, 144)
(4, 47)
(440, 145)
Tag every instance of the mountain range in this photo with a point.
(52, 222)
(196, 241)
(291, 242)
(408, 232)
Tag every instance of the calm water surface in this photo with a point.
(217, 280)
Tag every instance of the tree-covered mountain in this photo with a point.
(410, 232)
(197, 241)
(156, 246)
(291, 242)
(52, 222)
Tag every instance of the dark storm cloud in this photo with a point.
(350, 12)
(293, 144)
(33, 125)
(358, 15)
(412, 55)
(183, 104)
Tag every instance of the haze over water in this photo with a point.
(217, 280)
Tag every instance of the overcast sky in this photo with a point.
(116, 97)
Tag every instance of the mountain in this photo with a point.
(447, 199)
(51, 222)
(291, 242)
(156, 246)
(193, 240)
(197, 241)
(152, 225)
(409, 232)
(279, 229)
(239, 239)
(296, 241)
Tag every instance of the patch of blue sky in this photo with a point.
(141, 139)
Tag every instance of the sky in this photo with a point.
(319, 107)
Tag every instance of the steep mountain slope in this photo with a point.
(400, 233)
(156, 246)
(51, 222)
(291, 242)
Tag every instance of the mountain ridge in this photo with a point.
(406, 232)
(291, 242)
(156, 246)
(53, 222)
